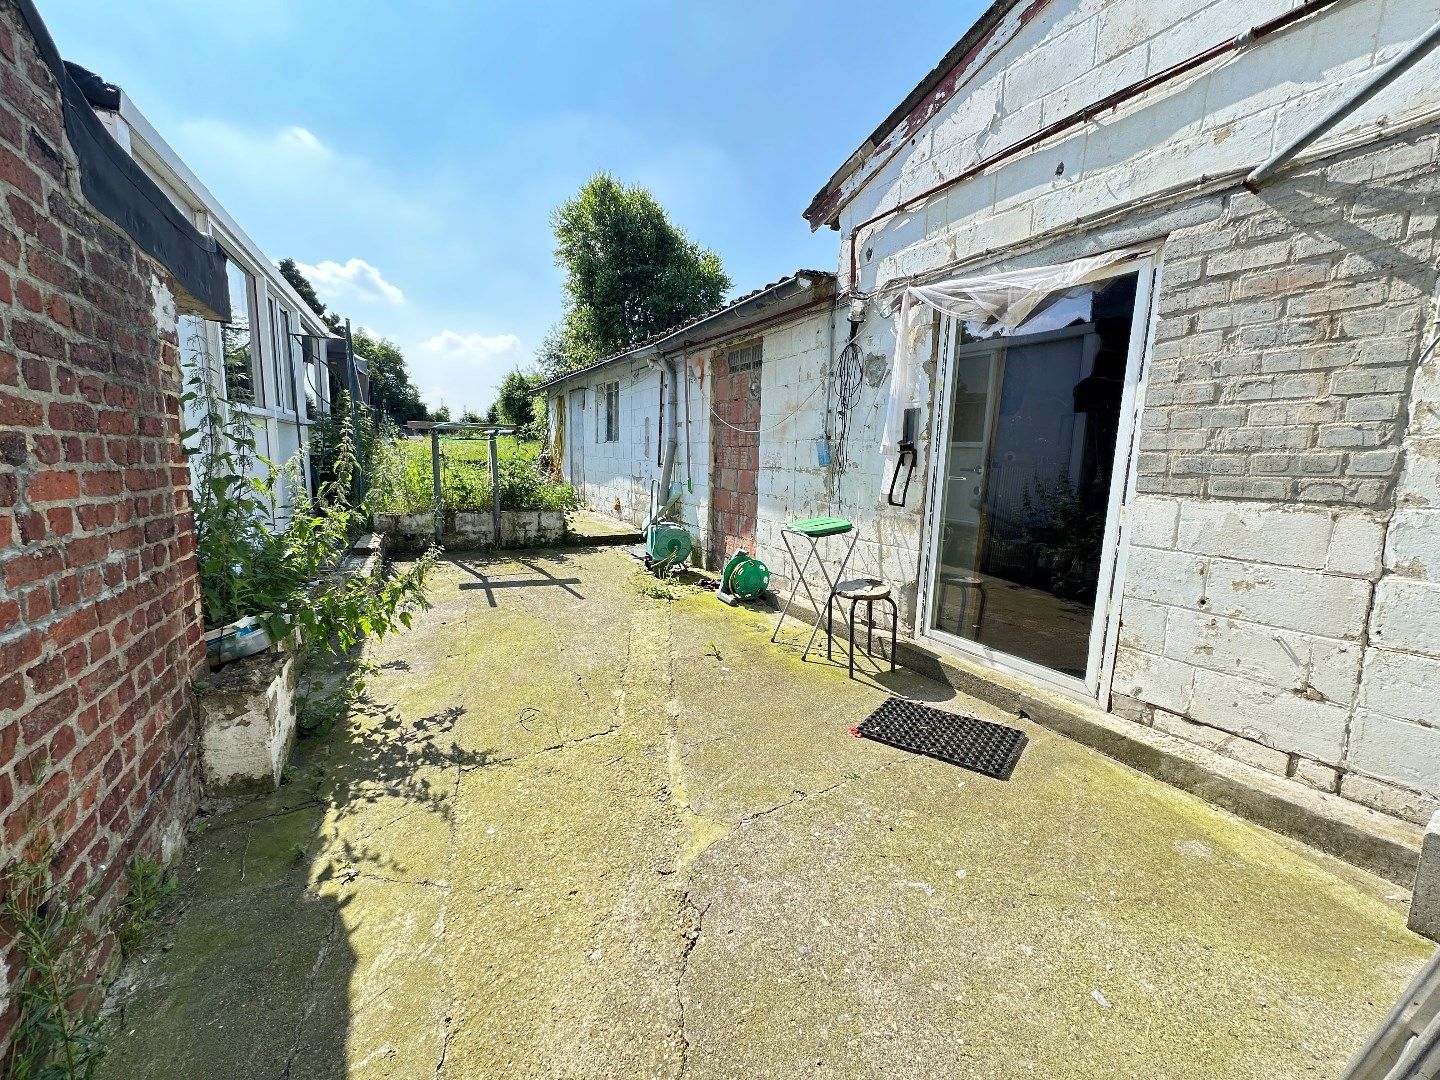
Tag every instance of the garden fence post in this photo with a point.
(494, 486)
(435, 479)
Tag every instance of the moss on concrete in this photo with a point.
(585, 833)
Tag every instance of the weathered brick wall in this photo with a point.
(1281, 583)
(99, 623)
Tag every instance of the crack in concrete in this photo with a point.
(441, 921)
(311, 980)
(693, 924)
(805, 796)
(214, 828)
(515, 759)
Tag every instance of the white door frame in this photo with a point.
(575, 437)
(1100, 664)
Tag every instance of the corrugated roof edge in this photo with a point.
(820, 276)
(814, 213)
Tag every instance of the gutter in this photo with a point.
(677, 340)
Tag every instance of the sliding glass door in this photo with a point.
(1022, 527)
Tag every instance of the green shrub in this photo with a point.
(402, 482)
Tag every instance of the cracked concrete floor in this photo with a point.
(584, 832)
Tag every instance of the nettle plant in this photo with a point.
(286, 577)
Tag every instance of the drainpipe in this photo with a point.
(672, 443)
(1383, 78)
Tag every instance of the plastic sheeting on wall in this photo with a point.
(990, 304)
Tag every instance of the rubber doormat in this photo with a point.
(977, 745)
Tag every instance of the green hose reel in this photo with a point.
(667, 546)
(744, 578)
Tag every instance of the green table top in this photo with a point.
(821, 526)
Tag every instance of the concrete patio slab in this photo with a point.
(585, 830)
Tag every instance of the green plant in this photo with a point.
(402, 480)
(57, 1035)
(1067, 536)
(287, 577)
(658, 590)
(152, 891)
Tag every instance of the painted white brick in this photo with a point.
(1396, 750)
(1166, 577)
(1152, 521)
(1320, 777)
(1357, 546)
(1407, 616)
(1268, 714)
(1387, 798)
(1154, 679)
(1280, 658)
(1412, 546)
(1142, 625)
(1291, 536)
(1401, 685)
(1307, 600)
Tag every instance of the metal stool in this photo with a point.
(868, 591)
(960, 579)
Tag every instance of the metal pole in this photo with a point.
(352, 384)
(1387, 75)
(494, 486)
(435, 479)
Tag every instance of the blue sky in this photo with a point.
(411, 154)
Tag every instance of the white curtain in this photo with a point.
(992, 303)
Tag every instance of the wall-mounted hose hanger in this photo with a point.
(909, 436)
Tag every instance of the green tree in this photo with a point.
(392, 393)
(301, 284)
(630, 272)
(515, 403)
(440, 415)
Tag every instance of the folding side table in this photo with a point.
(813, 530)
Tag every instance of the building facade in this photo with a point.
(268, 362)
(1174, 438)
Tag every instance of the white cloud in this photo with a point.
(355, 279)
(463, 371)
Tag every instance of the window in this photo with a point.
(282, 348)
(743, 359)
(610, 416)
(242, 371)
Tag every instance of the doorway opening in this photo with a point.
(1027, 480)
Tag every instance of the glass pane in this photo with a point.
(236, 340)
(1027, 487)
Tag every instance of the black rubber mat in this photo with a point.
(977, 745)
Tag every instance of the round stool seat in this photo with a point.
(863, 589)
(960, 577)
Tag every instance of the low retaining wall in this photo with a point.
(247, 723)
(462, 529)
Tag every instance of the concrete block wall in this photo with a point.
(100, 631)
(1049, 61)
(1281, 584)
(796, 392)
(618, 475)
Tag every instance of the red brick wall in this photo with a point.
(734, 499)
(99, 622)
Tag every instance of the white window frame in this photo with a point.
(1104, 624)
(609, 413)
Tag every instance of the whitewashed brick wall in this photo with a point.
(1228, 116)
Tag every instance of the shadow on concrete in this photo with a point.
(254, 976)
(491, 583)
